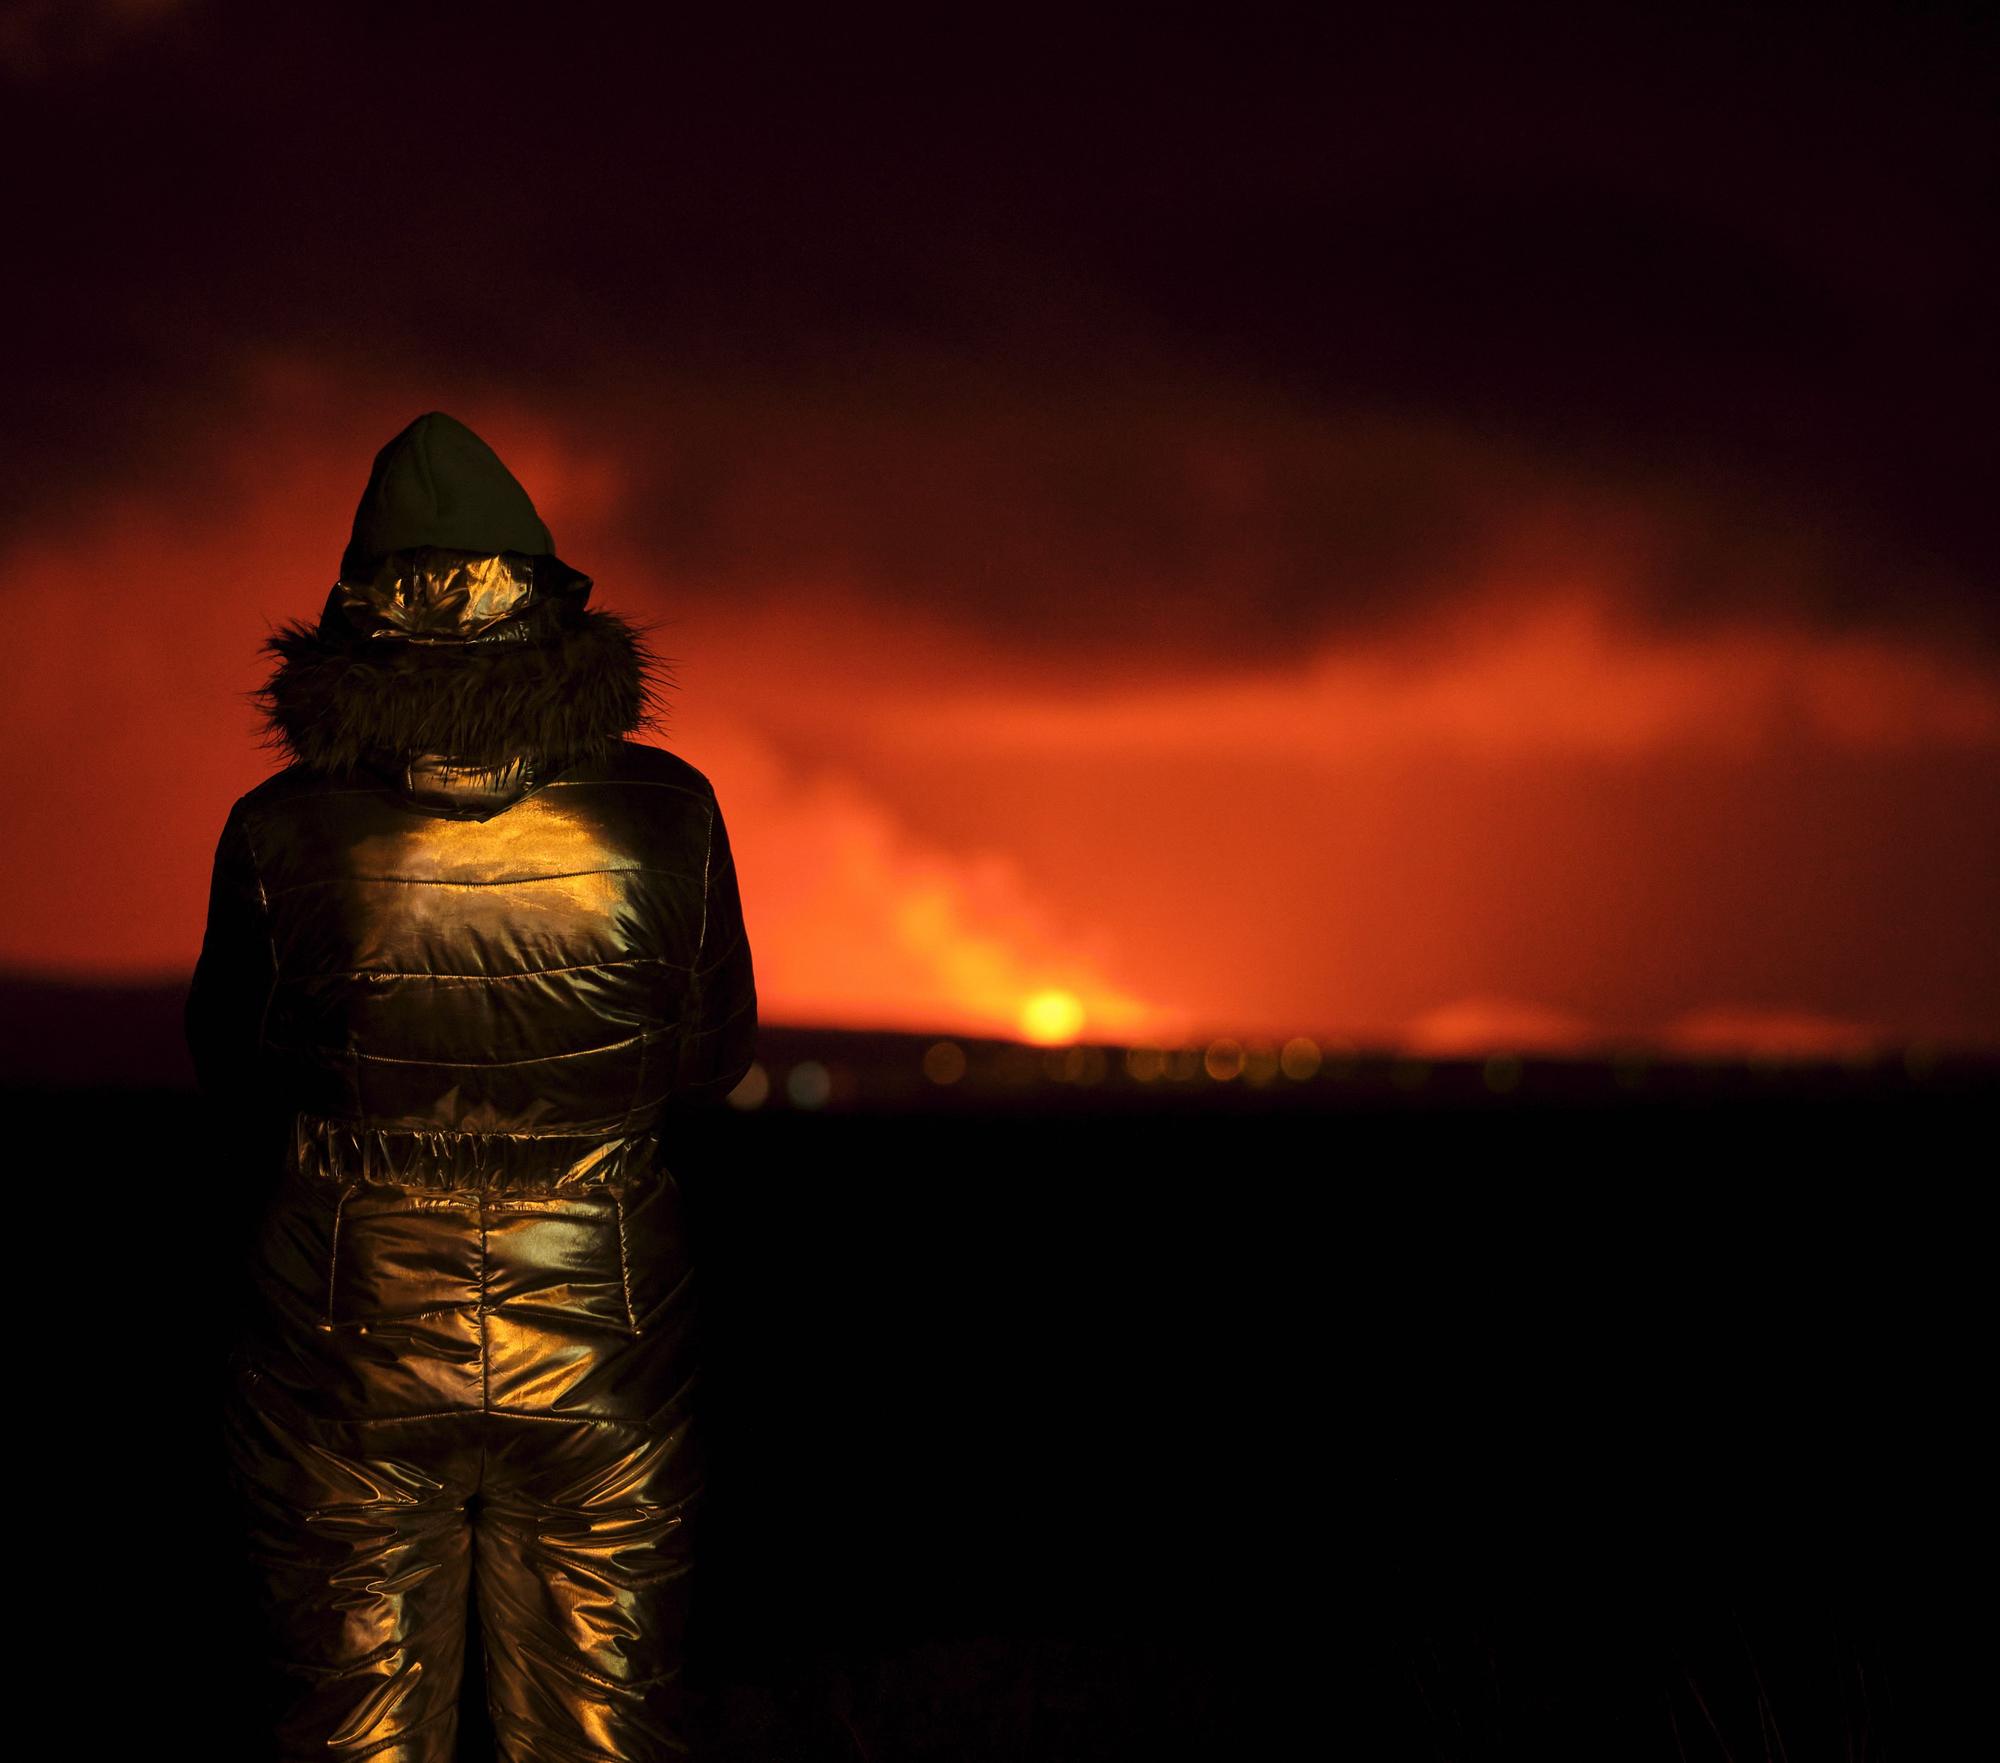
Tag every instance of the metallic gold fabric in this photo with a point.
(472, 1392)
(461, 1411)
(466, 792)
(437, 596)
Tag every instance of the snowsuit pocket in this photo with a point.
(561, 1255)
(400, 1254)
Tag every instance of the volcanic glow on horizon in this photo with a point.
(1515, 815)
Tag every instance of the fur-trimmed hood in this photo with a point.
(563, 696)
(456, 651)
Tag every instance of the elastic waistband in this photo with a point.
(345, 1151)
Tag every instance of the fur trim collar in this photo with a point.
(337, 706)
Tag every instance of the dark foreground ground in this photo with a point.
(1629, 1423)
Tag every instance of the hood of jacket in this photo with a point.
(450, 657)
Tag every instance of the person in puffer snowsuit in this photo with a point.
(467, 959)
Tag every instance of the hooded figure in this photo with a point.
(466, 958)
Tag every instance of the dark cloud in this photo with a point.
(47, 39)
(1742, 255)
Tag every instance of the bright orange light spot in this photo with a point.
(1052, 1016)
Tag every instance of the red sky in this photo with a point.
(1459, 529)
(1518, 810)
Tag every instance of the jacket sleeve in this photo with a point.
(234, 977)
(719, 1030)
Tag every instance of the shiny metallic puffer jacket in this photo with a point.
(473, 992)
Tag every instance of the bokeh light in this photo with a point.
(1223, 1059)
(944, 1062)
(808, 1084)
(1299, 1058)
(1502, 1072)
(1145, 1064)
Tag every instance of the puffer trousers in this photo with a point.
(466, 1410)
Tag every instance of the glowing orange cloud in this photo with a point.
(860, 923)
(1507, 671)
